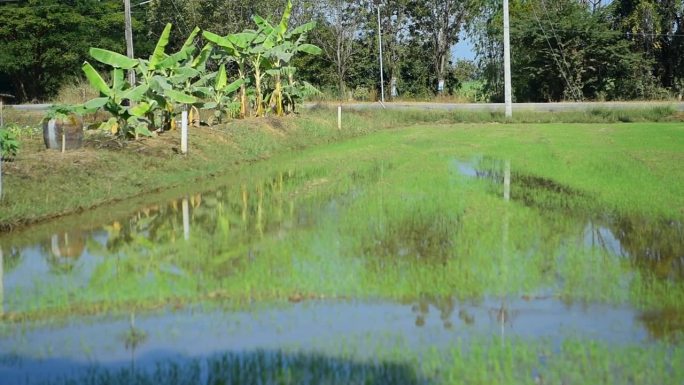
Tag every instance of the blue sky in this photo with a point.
(463, 50)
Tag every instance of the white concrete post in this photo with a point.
(339, 117)
(184, 130)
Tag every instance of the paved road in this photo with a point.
(29, 107)
(543, 107)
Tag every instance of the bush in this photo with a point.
(8, 144)
(361, 93)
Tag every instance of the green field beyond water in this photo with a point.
(401, 257)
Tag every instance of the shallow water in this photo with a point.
(335, 260)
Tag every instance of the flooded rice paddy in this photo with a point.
(432, 269)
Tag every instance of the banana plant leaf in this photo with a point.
(218, 40)
(95, 104)
(234, 86)
(95, 79)
(285, 21)
(180, 97)
(140, 109)
(159, 83)
(136, 94)
(200, 62)
(310, 49)
(183, 74)
(242, 40)
(221, 78)
(117, 79)
(302, 29)
(112, 58)
(190, 41)
(263, 24)
(159, 51)
(203, 91)
(172, 60)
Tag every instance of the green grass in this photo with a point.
(410, 220)
(41, 184)
(384, 214)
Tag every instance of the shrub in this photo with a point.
(8, 144)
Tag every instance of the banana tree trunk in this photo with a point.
(243, 94)
(259, 96)
(290, 79)
(278, 95)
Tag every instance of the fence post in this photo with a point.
(184, 130)
(339, 117)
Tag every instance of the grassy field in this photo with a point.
(40, 184)
(402, 207)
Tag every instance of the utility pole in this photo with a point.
(507, 62)
(382, 76)
(129, 39)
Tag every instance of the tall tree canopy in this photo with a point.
(44, 42)
(561, 49)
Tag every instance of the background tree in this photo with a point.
(339, 22)
(395, 22)
(43, 43)
(439, 23)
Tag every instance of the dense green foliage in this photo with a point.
(562, 50)
(9, 145)
(169, 83)
(43, 43)
(579, 50)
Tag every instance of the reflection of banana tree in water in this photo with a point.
(445, 305)
(64, 251)
(8, 261)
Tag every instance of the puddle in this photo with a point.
(654, 245)
(320, 326)
(324, 268)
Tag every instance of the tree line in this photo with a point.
(561, 49)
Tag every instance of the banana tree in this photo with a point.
(116, 98)
(220, 92)
(280, 45)
(237, 47)
(295, 90)
(170, 78)
(261, 66)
